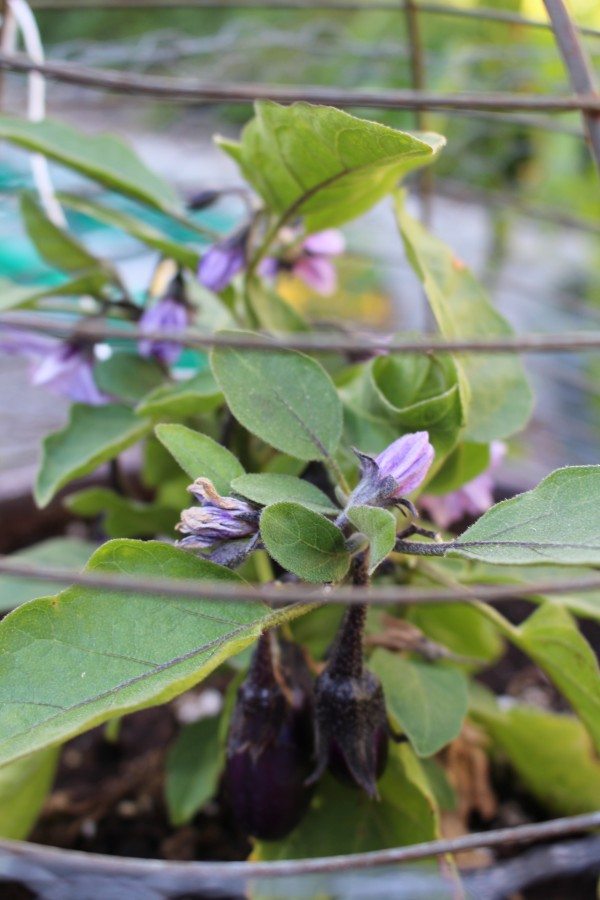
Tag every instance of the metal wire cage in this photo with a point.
(531, 110)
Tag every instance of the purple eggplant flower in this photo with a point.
(472, 499)
(397, 471)
(217, 519)
(61, 366)
(222, 262)
(168, 314)
(311, 261)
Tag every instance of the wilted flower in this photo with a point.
(472, 499)
(168, 314)
(217, 519)
(397, 471)
(63, 367)
(270, 742)
(311, 261)
(352, 730)
(222, 262)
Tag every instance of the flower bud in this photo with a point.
(168, 314)
(352, 730)
(269, 743)
(397, 471)
(217, 519)
(222, 262)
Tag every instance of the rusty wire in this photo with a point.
(191, 90)
(283, 594)
(90, 330)
(485, 14)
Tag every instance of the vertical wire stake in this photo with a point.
(417, 69)
(582, 75)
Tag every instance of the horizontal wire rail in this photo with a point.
(90, 330)
(191, 90)
(282, 594)
(223, 871)
(485, 14)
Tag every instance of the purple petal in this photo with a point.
(407, 461)
(22, 342)
(222, 262)
(268, 267)
(330, 242)
(166, 315)
(68, 371)
(318, 273)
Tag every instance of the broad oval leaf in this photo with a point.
(497, 394)
(191, 397)
(551, 638)
(103, 158)
(267, 488)
(430, 702)
(24, 785)
(199, 456)
(87, 655)
(552, 755)
(62, 552)
(303, 542)
(379, 525)
(323, 163)
(128, 377)
(283, 397)
(556, 522)
(193, 768)
(93, 435)
(134, 226)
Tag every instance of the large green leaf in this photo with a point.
(127, 376)
(322, 163)
(104, 158)
(551, 638)
(62, 552)
(556, 522)
(266, 488)
(90, 655)
(303, 542)
(379, 526)
(200, 456)
(134, 226)
(552, 755)
(498, 395)
(193, 768)
(93, 435)
(13, 295)
(583, 603)
(344, 820)
(181, 399)
(123, 517)
(283, 397)
(429, 702)
(24, 785)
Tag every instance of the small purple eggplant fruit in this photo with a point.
(269, 745)
(352, 730)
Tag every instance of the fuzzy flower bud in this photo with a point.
(352, 731)
(216, 519)
(222, 262)
(397, 471)
(269, 743)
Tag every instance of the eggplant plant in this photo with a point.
(266, 465)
